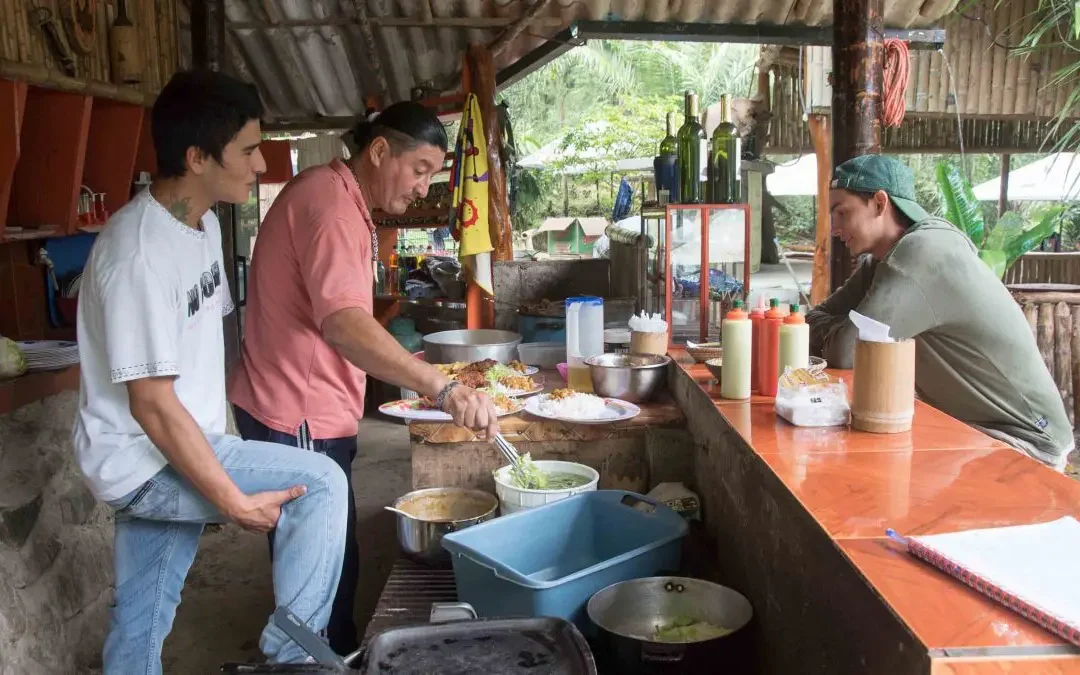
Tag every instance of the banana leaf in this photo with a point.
(995, 260)
(961, 208)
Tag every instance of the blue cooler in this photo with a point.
(550, 560)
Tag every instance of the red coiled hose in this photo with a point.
(896, 81)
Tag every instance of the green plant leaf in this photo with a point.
(1041, 224)
(995, 260)
(961, 209)
(1010, 226)
(1076, 20)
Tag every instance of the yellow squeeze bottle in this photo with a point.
(736, 338)
(794, 341)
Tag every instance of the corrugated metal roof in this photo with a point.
(316, 58)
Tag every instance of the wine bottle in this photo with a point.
(724, 162)
(670, 145)
(693, 151)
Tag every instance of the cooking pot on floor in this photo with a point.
(634, 617)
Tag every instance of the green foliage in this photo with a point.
(1012, 236)
(960, 205)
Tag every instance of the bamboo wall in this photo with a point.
(1054, 318)
(25, 55)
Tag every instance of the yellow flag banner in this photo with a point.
(469, 222)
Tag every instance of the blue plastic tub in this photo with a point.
(550, 560)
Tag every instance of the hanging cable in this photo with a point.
(896, 81)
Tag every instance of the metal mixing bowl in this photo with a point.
(453, 346)
(628, 377)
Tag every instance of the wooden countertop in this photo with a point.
(941, 476)
(525, 427)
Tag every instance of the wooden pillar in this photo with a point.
(821, 136)
(1003, 195)
(207, 33)
(479, 79)
(858, 55)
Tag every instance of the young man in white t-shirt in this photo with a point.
(150, 433)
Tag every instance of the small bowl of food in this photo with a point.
(714, 366)
(541, 482)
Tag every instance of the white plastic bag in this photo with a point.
(812, 399)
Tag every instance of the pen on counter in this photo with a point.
(896, 536)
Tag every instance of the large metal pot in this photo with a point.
(627, 615)
(454, 346)
(434, 512)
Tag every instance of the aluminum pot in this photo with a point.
(433, 512)
(629, 377)
(453, 346)
(628, 613)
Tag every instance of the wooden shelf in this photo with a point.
(36, 386)
(111, 147)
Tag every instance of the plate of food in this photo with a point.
(494, 378)
(566, 405)
(482, 367)
(423, 409)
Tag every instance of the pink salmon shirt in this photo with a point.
(312, 258)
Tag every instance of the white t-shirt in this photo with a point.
(151, 301)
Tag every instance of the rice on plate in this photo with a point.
(566, 403)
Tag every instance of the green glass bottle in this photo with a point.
(693, 152)
(724, 162)
(670, 145)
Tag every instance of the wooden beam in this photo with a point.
(207, 34)
(372, 50)
(46, 78)
(858, 55)
(426, 21)
(821, 133)
(1003, 195)
(515, 29)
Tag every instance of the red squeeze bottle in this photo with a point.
(770, 351)
(757, 317)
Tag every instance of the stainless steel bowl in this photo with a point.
(435, 512)
(630, 377)
(452, 346)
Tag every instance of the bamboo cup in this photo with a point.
(883, 400)
(648, 343)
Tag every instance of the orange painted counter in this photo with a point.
(941, 476)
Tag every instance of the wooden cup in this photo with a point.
(648, 343)
(883, 400)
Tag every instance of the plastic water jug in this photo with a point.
(584, 338)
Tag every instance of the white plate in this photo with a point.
(619, 411)
(403, 410)
(42, 346)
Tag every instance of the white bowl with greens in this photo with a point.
(541, 482)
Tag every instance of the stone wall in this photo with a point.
(55, 547)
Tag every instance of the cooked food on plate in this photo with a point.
(503, 404)
(492, 377)
(685, 629)
(567, 403)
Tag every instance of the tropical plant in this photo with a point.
(1013, 235)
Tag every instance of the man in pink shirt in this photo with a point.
(309, 334)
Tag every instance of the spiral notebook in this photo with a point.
(1028, 568)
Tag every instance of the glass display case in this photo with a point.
(705, 267)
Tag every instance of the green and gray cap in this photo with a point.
(870, 173)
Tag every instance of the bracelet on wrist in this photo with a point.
(440, 400)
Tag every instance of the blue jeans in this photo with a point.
(341, 631)
(157, 533)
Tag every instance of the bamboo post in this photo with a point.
(1003, 195)
(1031, 313)
(1044, 335)
(1063, 359)
(858, 55)
(820, 134)
(1074, 410)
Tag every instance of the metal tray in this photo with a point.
(528, 646)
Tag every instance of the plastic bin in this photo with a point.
(550, 560)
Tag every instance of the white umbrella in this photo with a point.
(798, 178)
(1051, 179)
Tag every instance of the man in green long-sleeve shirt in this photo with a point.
(975, 358)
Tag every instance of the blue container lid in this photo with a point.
(585, 300)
